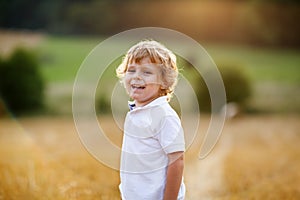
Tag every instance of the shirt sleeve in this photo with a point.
(171, 136)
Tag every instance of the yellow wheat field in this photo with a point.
(256, 158)
(264, 158)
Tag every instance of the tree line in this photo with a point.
(268, 22)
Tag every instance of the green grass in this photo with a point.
(262, 64)
(62, 56)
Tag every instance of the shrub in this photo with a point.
(2, 105)
(237, 84)
(21, 83)
(237, 87)
(103, 104)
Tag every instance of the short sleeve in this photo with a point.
(171, 136)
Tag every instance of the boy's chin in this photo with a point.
(134, 97)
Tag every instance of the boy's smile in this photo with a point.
(137, 87)
(142, 81)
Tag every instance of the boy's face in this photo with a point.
(142, 81)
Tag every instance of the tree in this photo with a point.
(21, 83)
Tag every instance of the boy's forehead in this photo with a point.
(146, 61)
(145, 64)
(140, 60)
(143, 59)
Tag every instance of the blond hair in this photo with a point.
(158, 54)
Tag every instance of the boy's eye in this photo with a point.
(131, 70)
(147, 72)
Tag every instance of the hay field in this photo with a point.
(257, 157)
(263, 162)
(42, 158)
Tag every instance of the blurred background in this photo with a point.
(255, 45)
(259, 39)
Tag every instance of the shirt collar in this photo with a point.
(158, 101)
(131, 105)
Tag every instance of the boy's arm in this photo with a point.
(174, 175)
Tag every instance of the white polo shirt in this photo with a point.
(150, 133)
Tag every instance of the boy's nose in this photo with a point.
(137, 76)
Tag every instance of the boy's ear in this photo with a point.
(163, 87)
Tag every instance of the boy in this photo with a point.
(153, 142)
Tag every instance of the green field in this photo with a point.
(62, 56)
(263, 64)
(274, 73)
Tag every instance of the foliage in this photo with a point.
(103, 104)
(237, 87)
(21, 84)
(250, 21)
(237, 84)
(81, 17)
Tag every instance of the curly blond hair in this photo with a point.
(158, 54)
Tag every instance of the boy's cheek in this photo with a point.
(127, 87)
(126, 82)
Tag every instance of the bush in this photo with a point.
(21, 83)
(237, 87)
(103, 104)
(237, 84)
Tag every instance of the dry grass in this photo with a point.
(42, 158)
(47, 161)
(264, 159)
